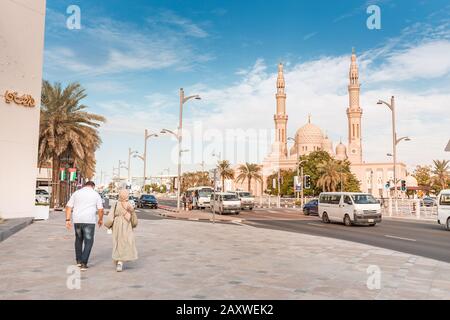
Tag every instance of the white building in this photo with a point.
(21, 56)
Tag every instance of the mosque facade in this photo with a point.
(310, 137)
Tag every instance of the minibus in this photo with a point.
(443, 208)
(349, 208)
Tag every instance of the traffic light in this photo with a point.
(307, 182)
(403, 185)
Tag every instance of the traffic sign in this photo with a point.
(297, 184)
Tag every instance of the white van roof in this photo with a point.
(343, 193)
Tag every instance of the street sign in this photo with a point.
(297, 184)
(274, 183)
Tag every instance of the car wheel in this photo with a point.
(447, 225)
(251, 208)
(306, 212)
(347, 220)
(325, 218)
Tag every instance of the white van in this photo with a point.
(225, 202)
(443, 208)
(200, 196)
(349, 208)
(247, 199)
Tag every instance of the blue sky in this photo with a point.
(132, 56)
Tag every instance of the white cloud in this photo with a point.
(425, 61)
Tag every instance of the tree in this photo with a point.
(225, 171)
(441, 174)
(194, 179)
(67, 132)
(330, 175)
(423, 175)
(249, 171)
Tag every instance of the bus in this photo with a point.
(201, 196)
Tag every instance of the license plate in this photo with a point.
(370, 220)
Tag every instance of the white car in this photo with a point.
(443, 208)
(42, 196)
(132, 202)
(349, 208)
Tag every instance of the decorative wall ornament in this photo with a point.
(26, 99)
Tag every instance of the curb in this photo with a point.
(168, 215)
(10, 227)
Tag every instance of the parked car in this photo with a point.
(443, 208)
(132, 201)
(42, 196)
(225, 202)
(349, 208)
(147, 201)
(311, 207)
(247, 199)
(428, 202)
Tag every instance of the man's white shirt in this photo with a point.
(85, 203)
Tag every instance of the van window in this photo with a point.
(444, 200)
(347, 200)
(364, 199)
(335, 199)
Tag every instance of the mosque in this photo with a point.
(309, 138)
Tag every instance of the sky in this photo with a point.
(134, 56)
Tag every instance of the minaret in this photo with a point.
(280, 117)
(354, 113)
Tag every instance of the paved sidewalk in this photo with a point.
(195, 215)
(191, 260)
(11, 226)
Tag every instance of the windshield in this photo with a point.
(245, 194)
(229, 197)
(204, 193)
(364, 199)
(41, 192)
(445, 200)
(148, 197)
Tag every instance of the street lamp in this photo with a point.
(299, 168)
(147, 136)
(395, 141)
(130, 153)
(121, 165)
(179, 136)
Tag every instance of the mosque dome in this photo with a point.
(341, 151)
(310, 134)
(411, 181)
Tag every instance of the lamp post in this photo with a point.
(121, 165)
(130, 153)
(300, 175)
(146, 137)
(179, 136)
(395, 141)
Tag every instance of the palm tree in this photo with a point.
(225, 171)
(67, 131)
(249, 171)
(441, 173)
(330, 175)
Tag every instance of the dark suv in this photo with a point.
(312, 207)
(147, 201)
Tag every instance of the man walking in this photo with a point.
(85, 203)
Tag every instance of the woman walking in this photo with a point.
(123, 223)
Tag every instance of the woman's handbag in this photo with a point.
(109, 221)
(134, 220)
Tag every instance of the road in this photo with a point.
(425, 239)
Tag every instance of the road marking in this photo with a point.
(400, 238)
(316, 224)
